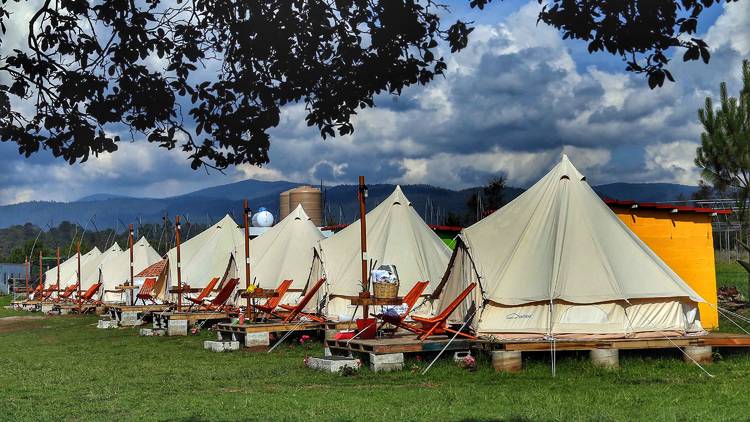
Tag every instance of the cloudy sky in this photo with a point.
(510, 103)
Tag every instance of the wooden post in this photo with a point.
(26, 267)
(78, 273)
(246, 213)
(132, 283)
(58, 271)
(179, 269)
(41, 270)
(362, 194)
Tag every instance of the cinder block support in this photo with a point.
(605, 358)
(221, 346)
(160, 323)
(146, 332)
(46, 307)
(333, 365)
(130, 319)
(701, 354)
(507, 361)
(106, 324)
(177, 327)
(64, 311)
(262, 339)
(387, 362)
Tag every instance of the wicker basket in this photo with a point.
(385, 290)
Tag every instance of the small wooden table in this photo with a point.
(125, 287)
(255, 295)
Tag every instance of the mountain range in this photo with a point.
(204, 206)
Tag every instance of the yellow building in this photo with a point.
(683, 238)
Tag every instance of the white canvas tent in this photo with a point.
(284, 252)
(396, 235)
(67, 271)
(90, 268)
(69, 277)
(212, 253)
(116, 271)
(557, 261)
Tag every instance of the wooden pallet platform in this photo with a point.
(710, 339)
(192, 316)
(268, 327)
(140, 308)
(397, 344)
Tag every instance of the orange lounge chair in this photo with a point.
(410, 300)
(65, 294)
(47, 293)
(292, 312)
(439, 324)
(198, 300)
(219, 303)
(273, 302)
(146, 292)
(88, 295)
(37, 293)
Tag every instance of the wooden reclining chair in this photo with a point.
(219, 303)
(47, 293)
(146, 291)
(293, 312)
(88, 296)
(273, 302)
(65, 294)
(410, 300)
(438, 324)
(198, 300)
(37, 292)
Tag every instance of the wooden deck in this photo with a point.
(193, 316)
(139, 308)
(408, 343)
(268, 327)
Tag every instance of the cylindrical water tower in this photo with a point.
(283, 205)
(311, 200)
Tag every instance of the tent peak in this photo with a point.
(566, 170)
(299, 213)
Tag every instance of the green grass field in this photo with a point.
(63, 368)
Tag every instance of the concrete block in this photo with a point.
(46, 307)
(64, 311)
(177, 327)
(327, 352)
(701, 354)
(106, 324)
(605, 358)
(507, 361)
(146, 332)
(332, 364)
(130, 319)
(221, 346)
(387, 362)
(257, 339)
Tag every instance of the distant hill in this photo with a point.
(207, 205)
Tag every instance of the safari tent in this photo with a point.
(556, 261)
(396, 235)
(211, 253)
(284, 252)
(116, 271)
(90, 269)
(69, 268)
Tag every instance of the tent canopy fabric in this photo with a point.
(284, 252)
(90, 266)
(211, 253)
(116, 271)
(69, 269)
(558, 252)
(396, 235)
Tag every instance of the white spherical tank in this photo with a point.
(262, 218)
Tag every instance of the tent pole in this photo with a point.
(26, 267)
(179, 270)
(41, 270)
(246, 217)
(132, 283)
(362, 194)
(78, 273)
(58, 271)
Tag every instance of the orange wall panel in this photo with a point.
(685, 242)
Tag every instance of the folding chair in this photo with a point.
(146, 291)
(47, 293)
(37, 292)
(65, 294)
(87, 296)
(439, 324)
(219, 303)
(410, 300)
(273, 302)
(198, 300)
(292, 312)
